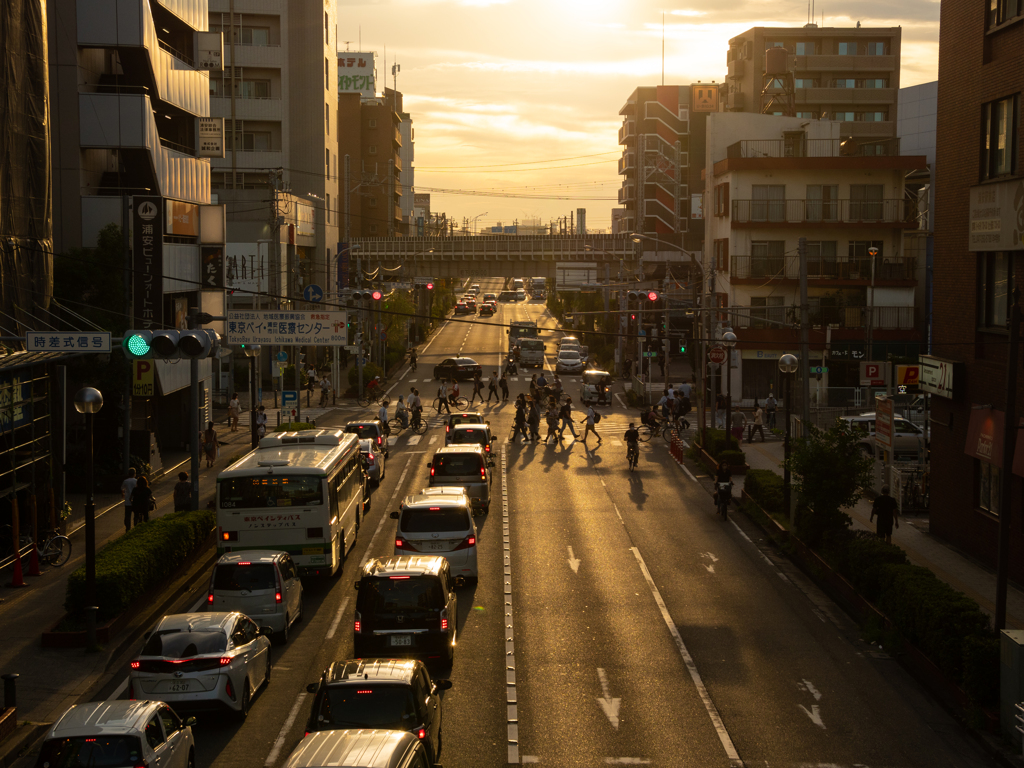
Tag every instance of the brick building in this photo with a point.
(979, 258)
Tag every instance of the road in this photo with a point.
(617, 620)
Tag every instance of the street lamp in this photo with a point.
(729, 341)
(252, 351)
(787, 364)
(88, 401)
(477, 217)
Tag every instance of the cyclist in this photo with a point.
(632, 438)
(402, 412)
(453, 393)
(382, 414)
(416, 406)
(325, 388)
(372, 387)
(413, 359)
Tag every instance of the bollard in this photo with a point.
(17, 580)
(33, 558)
(10, 690)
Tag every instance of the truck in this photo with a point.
(538, 287)
(526, 334)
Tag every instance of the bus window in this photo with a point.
(262, 491)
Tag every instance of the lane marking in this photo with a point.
(574, 562)
(276, 750)
(691, 666)
(511, 694)
(609, 706)
(383, 517)
(337, 620)
(815, 714)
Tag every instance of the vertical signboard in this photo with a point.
(211, 137)
(705, 97)
(147, 262)
(357, 73)
(213, 266)
(883, 421)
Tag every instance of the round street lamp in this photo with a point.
(88, 401)
(787, 364)
(729, 341)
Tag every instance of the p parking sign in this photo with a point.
(143, 384)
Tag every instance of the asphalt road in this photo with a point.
(617, 620)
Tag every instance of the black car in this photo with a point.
(507, 296)
(486, 310)
(389, 694)
(407, 607)
(461, 308)
(459, 368)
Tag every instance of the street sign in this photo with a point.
(908, 375)
(883, 421)
(289, 397)
(717, 355)
(282, 356)
(143, 384)
(73, 341)
(873, 374)
(650, 354)
(351, 347)
(313, 293)
(287, 328)
(819, 369)
(938, 376)
(641, 332)
(383, 335)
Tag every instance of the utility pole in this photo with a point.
(805, 331)
(1006, 475)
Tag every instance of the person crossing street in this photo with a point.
(492, 388)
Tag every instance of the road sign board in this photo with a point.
(641, 332)
(873, 374)
(908, 375)
(939, 376)
(287, 328)
(313, 293)
(72, 341)
(650, 354)
(282, 356)
(143, 384)
(717, 355)
(883, 421)
(819, 369)
(289, 397)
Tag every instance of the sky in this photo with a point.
(515, 103)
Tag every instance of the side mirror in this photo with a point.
(493, 438)
(356, 584)
(189, 722)
(311, 688)
(394, 515)
(266, 631)
(442, 685)
(430, 465)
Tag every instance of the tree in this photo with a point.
(830, 471)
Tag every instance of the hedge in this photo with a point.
(142, 559)
(733, 458)
(718, 442)
(765, 487)
(294, 426)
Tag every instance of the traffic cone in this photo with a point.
(33, 558)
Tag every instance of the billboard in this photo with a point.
(213, 266)
(357, 73)
(147, 262)
(247, 267)
(997, 217)
(288, 328)
(304, 219)
(211, 137)
(182, 218)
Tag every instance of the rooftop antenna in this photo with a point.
(360, 37)
(347, 44)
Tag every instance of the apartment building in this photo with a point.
(370, 146)
(662, 138)
(979, 261)
(846, 75)
(407, 175)
(770, 181)
(279, 173)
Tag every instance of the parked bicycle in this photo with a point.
(55, 549)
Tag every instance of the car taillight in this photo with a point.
(483, 472)
(357, 625)
(230, 689)
(277, 598)
(209, 599)
(422, 733)
(487, 448)
(141, 764)
(277, 592)
(228, 535)
(369, 458)
(225, 660)
(444, 620)
(136, 664)
(431, 471)
(380, 441)
(466, 543)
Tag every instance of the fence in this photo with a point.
(892, 211)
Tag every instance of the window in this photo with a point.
(805, 82)
(821, 258)
(995, 281)
(859, 259)
(847, 49)
(860, 48)
(154, 734)
(327, 210)
(373, 229)
(866, 202)
(1003, 10)
(247, 35)
(216, 86)
(372, 124)
(846, 117)
(767, 257)
(989, 486)
(252, 141)
(844, 83)
(822, 202)
(769, 202)
(1000, 123)
(253, 89)
(874, 82)
(767, 311)
(373, 149)
(327, 32)
(327, 118)
(722, 199)
(877, 48)
(327, 162)
(721, 251)
(327, 77)
(809, 48)
(808, 115)
(872, 117)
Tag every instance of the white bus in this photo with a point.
(298, 492)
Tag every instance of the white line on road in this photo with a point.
(337, 620)
(276, 749)
(384, 517)
(691, 666)
(511, 693)
(815, 714)
(574, 563)
(609, 706)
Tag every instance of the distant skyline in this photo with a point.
(516, 102)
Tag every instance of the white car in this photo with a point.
(909, 442)
(120, 733)
(374, 461)
(568, 361)
(203, 661)
(434, 524)
(260, 583)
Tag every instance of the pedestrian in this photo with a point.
(739, 425)
(503, 383)
(566, 415)
(442, 397)
(478, 388)
(885, 508)
(769, 407)
(534, 419)
(684, 390)
(492, 388)
(126, 493)
(757, 424)
(720, 411)
(552, 419)
(325, 391)
(591, 421)
(684, 408)
(663, 404)
(182, 493)
(261, 422)
(519, 420)
(210, 444)
(533, 386)
(661, 364)
(627, 368)
(142, 501)
(310, 381)
(234, 411)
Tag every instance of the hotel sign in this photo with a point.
(997, 217)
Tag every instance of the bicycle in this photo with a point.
(724, 497)
(374, 395)
(417, 423)
(396, 426)
(632, 455)
(55, 550)
(459, 403)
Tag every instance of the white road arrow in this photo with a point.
(573, 562)
(814, 713)
(608, 704)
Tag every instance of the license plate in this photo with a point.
(181, 687)
(401, 640)
(312, 550)
(435, 546)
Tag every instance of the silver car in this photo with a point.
(374, 460)
(260, 583)
(569, 361)
(203, 661)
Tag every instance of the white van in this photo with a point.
(262, 584)
(467, 466)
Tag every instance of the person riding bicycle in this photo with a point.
(325, 389)
(632, 437)
(402, 412)
(723, 475)
(372, 387)
(382, 414)
(650, 418)
(542, 382)
(453, 392)
(412, 359)
(415, 406)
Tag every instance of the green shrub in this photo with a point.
(140, 560)
(294, 426)
(733, 458)
(981, 668)
(861, 562)
(718, 442)
(766, 488)
(369, 371)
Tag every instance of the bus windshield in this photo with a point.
(261, 491)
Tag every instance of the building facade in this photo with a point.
(772, 180)
(847, 75)
(979, 261)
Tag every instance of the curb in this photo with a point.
(24, 739)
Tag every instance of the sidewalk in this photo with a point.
(956, 569)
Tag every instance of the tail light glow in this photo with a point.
(277, 598)
(225, 660)
(466, 543)
(209, 599)
(357, 625)
(483, 472)
(136, 664)
(444, 620)
(422, 733)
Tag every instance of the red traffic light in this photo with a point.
(652, 295)
(632, 317)
(377, 295)
(430, 286)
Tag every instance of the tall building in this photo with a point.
(979, 261)
(407, 174)
(849, 75)
(772, 180)
(279, 173)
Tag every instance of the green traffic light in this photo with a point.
(137, 346)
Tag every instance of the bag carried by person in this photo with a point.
(597, 417)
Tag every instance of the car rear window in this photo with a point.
(363, 430)
(92, 751)
(182, 644)
(390, 707)
(436, 520)
(473, 436)
(394, 595)
(232, 577)
(457, 464)
(465, 419)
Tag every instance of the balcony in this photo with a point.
(246, 160)
(248, 109)
(788, 268)
(832, 63)
(882, 318)
(737, 68)
(845, 96)
(627, 194)
(627, 162)
(627, 133)
(269, 56)
(396, 140)
(759, 214)
(814, 147)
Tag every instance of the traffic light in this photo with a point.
(170, 345)
(652, 295)
(376, 295)
(682, 345)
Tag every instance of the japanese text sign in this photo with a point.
(288, 328)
